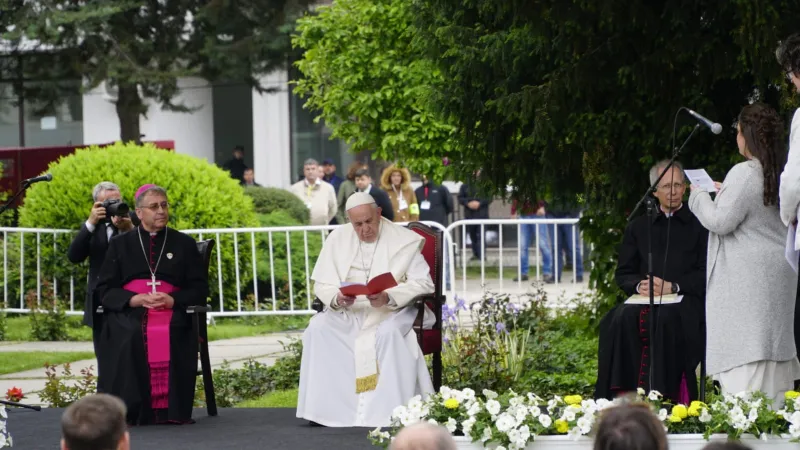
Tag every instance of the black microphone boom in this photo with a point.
(45, 177)
(715, 127)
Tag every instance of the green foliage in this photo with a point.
(559, 355)
(63, 390)
(3, 326)
(200, 194)
(278, 268)
(254, 379)
(145, 49)
(369, 84)
(48, 316)
(269, 199)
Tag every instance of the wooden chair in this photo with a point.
(200, 328)
(430, 341)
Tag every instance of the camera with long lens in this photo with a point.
(115, 207)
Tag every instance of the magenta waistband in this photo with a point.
(143, 286)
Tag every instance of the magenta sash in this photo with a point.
(157, 333)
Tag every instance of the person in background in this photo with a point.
(346, 189)
(95, 422)
(329, 167)
(236, 165)
(319, 197)
(630, 427)
(475, 207)
(364, 184)
(566, 248)
(534, 211)
(436, 205)
(248, 178)
(752, 288)
(396, 181)
(92, 242)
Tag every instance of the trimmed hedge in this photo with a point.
(269, 199)
(201, 195)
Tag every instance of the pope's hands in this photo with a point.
(345, 301)
(379, 300)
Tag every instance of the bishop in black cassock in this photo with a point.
(149, 351)
(679, 330)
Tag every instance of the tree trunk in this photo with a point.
(129, 109)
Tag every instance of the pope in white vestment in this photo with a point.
(361, 358)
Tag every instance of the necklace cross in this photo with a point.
(153, 283)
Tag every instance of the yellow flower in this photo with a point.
(694, 410)
(573, 399)
(562, 426)
(791, 395)
(451, 403)
(675, 419)
(698, 404)
(680, 411)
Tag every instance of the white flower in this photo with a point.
(487, 434)
(474, 409)
(640, 391)
(603, 404)
(662, 414)
(574, 433)
(466, 426)
(545, 420)
(534, 399)
(493, 406)
(505, 422)
(451, 425)
(535, 411)
(433, 422)
(524, 433)
(705, 417)
(568, 415)
(654, 396)
(445, 392)
(468, 394)
(489, 394)
(3, 440)
(516, 401)
(500, 447)
(584, 425)
(764, 437)
(3, 412)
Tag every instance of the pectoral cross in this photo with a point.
(154, 283)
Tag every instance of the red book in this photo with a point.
(375, 286)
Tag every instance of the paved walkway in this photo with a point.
(267, 348)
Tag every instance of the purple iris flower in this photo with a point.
(500, 327)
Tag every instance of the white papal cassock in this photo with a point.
(341, 345)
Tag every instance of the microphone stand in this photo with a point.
(652, 212)
(25, 185)
(20, 405)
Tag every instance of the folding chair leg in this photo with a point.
(205, 365)
(703, 381)
(437, 371)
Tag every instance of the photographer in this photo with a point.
(109, 217)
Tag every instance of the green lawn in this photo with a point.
(11, 362)
(275, 399)
(19, 327)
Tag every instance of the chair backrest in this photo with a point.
(205, 248)
(431, 251)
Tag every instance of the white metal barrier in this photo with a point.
(244, 264)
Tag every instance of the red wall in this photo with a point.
(22, 163)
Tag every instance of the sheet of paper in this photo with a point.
(700, 178)
(637, 299)
(791, 251)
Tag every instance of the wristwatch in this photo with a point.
(675, 288)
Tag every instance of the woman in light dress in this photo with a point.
(751, 291)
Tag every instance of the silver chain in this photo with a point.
(152, 271)
(361, 250)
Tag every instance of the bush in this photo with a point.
(281, 268)
(48, 318)
(58, 394)
(268, 199)
(201, 196)
(3, 324)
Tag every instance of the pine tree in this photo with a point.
(143, 47)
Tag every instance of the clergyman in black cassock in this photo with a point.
(679, 330)
(150, 276)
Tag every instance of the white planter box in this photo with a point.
(676, 442)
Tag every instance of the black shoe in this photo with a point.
(549, 279)
(315, 424)
(580, 279)
(524, 278)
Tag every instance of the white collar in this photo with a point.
(667, 214)
(316, 183)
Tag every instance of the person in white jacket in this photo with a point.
(788, 55)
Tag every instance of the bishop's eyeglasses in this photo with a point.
(666, 187)
(154, 206)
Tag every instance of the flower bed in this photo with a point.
(512, 421)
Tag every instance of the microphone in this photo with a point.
(715, 127)
(45, 177)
